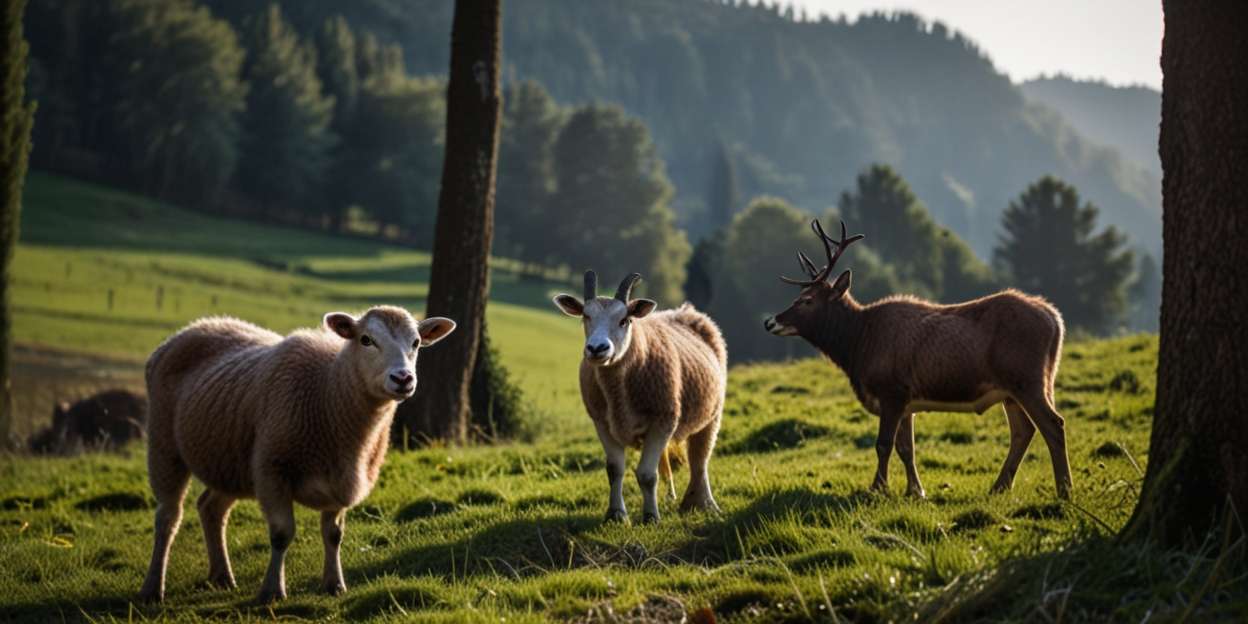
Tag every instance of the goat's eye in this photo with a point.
(625, 322)
(366, 341)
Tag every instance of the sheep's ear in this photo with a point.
(570, 305)
(434, 329)
(639, 308)
(342, 324)
(841, 286)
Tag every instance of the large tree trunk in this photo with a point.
(16, 118)
(1198, 459)
(459, 281)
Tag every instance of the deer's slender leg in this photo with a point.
(1021, 432)
(905, 450)
(890, 421)
(1053, 428)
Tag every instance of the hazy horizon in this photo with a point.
(1117, 41)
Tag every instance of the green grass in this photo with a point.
(514, 531)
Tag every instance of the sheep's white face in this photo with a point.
(384, 344)
(608, 325)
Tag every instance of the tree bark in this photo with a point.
(1198, 457)
(16, 119)
(459, 280)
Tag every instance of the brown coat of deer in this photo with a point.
(905, 355)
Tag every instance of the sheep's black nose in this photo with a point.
(402, 379)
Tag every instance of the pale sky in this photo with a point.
(1115, 40)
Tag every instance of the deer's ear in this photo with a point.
(841, 285)
(570, 305)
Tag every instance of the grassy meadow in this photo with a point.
(513, 532)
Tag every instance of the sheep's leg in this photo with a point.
(214, 513)
(279, 510)
(654, 446)
(890, 421)
(700, 445)
(169, 478)
(332, 524)
(1053, 427)
(1021, 432)
(616, 511)
(905, 450)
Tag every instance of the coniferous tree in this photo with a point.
(724, 193)
(340, 79)
(16, 118)
(526, 173)
(897, 226)
(1049, 247)
(1145, 294)
(178, 96)
(287, 140)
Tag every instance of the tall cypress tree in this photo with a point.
(17, 116)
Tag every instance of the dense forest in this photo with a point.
(690, 141)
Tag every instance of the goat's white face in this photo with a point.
(608, 325)
(383, 346)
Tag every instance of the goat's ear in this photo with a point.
(434, 329)
(841, 285)
(570, 305)
(342, 324)
(638, 308)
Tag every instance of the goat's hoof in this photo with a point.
(616, 515)
(707, 505)
(650, 517)
(150, 597)
(334, 588)
(268, 596)
(917, 494)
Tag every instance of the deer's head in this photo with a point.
(818, 295)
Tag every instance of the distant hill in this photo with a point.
(1124, 118)
(805, 106)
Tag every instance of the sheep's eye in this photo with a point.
(416, 345)
(366, 341)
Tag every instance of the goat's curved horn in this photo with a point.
(591, 285)
(625, 291)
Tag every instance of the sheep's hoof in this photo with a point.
(706, 504)
(650, 517)
(222, 581)
(334, 589)
(271, 595)
(616, 515)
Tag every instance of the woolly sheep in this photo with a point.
(305, 418)
(650, 381)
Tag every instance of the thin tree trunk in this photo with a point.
(459, 280)
(1198, 457)
(16, 119)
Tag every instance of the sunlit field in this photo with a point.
(514, 531)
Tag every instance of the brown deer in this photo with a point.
(905, 355)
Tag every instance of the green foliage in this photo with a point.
(1144, 294)
(17, 115)
(178, 96)
(499, 410)
(1049, 248)
(611, 205)
(724, 192)
(287, 134)
(523, 222)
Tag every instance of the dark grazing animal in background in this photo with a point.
(305, 418)
(107, 420)
(905, 355)
(650, 380)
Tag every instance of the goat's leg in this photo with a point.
(214, 513)
(332, 524)
(1021, 432)
(278, 508)
(1053, 428)
(700, 445)
(905, 450)
(890, 421)
(169, 477)
(654, 446)
(616, 511)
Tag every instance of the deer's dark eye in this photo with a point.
(366, 341)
